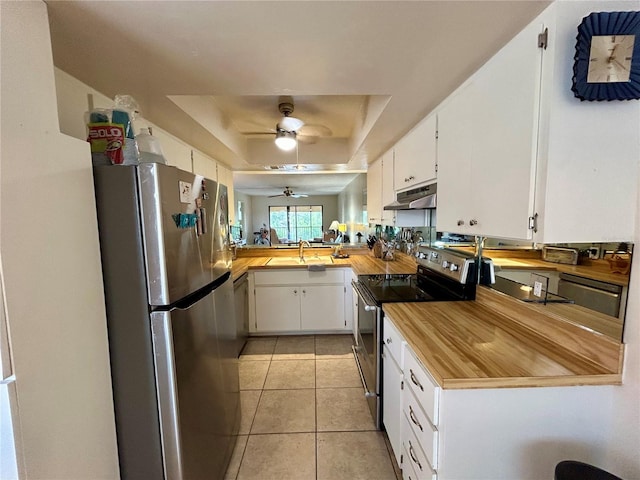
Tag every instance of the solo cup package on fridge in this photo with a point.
(110, 133)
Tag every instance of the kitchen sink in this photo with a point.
(311, 260)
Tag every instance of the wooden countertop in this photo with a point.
(361, 263)
(497, 341)
(241, 264)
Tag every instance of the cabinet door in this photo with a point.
(354, 306)
(504, 112)
(241, 299)
(374, 192)
(455, 147)
(277, 309)
(322, 307)
(487, 145)
(392, 401)
(388, 192)
(415, 155)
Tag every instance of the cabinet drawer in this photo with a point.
(408, 472)
(298, 276)
(421, 427)
(393, 340)
(413, 454)
(422, 385)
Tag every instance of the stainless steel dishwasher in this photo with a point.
(599, 296)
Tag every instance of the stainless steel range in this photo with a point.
(442, 275)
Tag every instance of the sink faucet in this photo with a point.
(301, 245)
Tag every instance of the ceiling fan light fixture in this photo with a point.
(290, 124)
(286, 140)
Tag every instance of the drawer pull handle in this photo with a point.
(415, 380)
(414, 419)
(413, 456)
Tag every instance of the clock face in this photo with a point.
(607, 60)
(610, 58)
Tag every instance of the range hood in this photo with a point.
(420, 198)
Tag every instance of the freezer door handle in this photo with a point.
(165, 370)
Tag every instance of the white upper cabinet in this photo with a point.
(487, 142)
(520, 157)
(374, 192)
(415, 155)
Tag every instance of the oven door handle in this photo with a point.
(367, 393)
(369, 305)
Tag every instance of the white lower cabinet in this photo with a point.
(392, 400)
(289, 301)
(322, 307)
(277, 308)
(392, 380)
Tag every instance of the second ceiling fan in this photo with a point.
(287, 192)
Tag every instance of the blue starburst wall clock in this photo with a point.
(607, 59)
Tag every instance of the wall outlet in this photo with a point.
(594, 253)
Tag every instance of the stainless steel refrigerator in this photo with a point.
(166, 261)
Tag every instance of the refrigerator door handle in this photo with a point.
(188, 302)
(165, 371)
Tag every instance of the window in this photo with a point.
(296, 222)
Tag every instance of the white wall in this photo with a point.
(623, 446)
(73, 102)
(619, 451)
(51, 265)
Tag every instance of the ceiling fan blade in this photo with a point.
(307, 139)
(299, 195)
(315, 130)
(279, 195)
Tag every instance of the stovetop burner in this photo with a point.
(398, 288)
(442, 275)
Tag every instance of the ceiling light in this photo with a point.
(285, 140)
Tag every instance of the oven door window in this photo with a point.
(367, 329)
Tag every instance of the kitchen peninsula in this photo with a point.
(467, 372)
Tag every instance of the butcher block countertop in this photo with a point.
(498, 342)
(362, 262)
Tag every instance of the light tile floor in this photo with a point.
(304, 415)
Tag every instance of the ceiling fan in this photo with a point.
(290, 129)
(287, 192)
